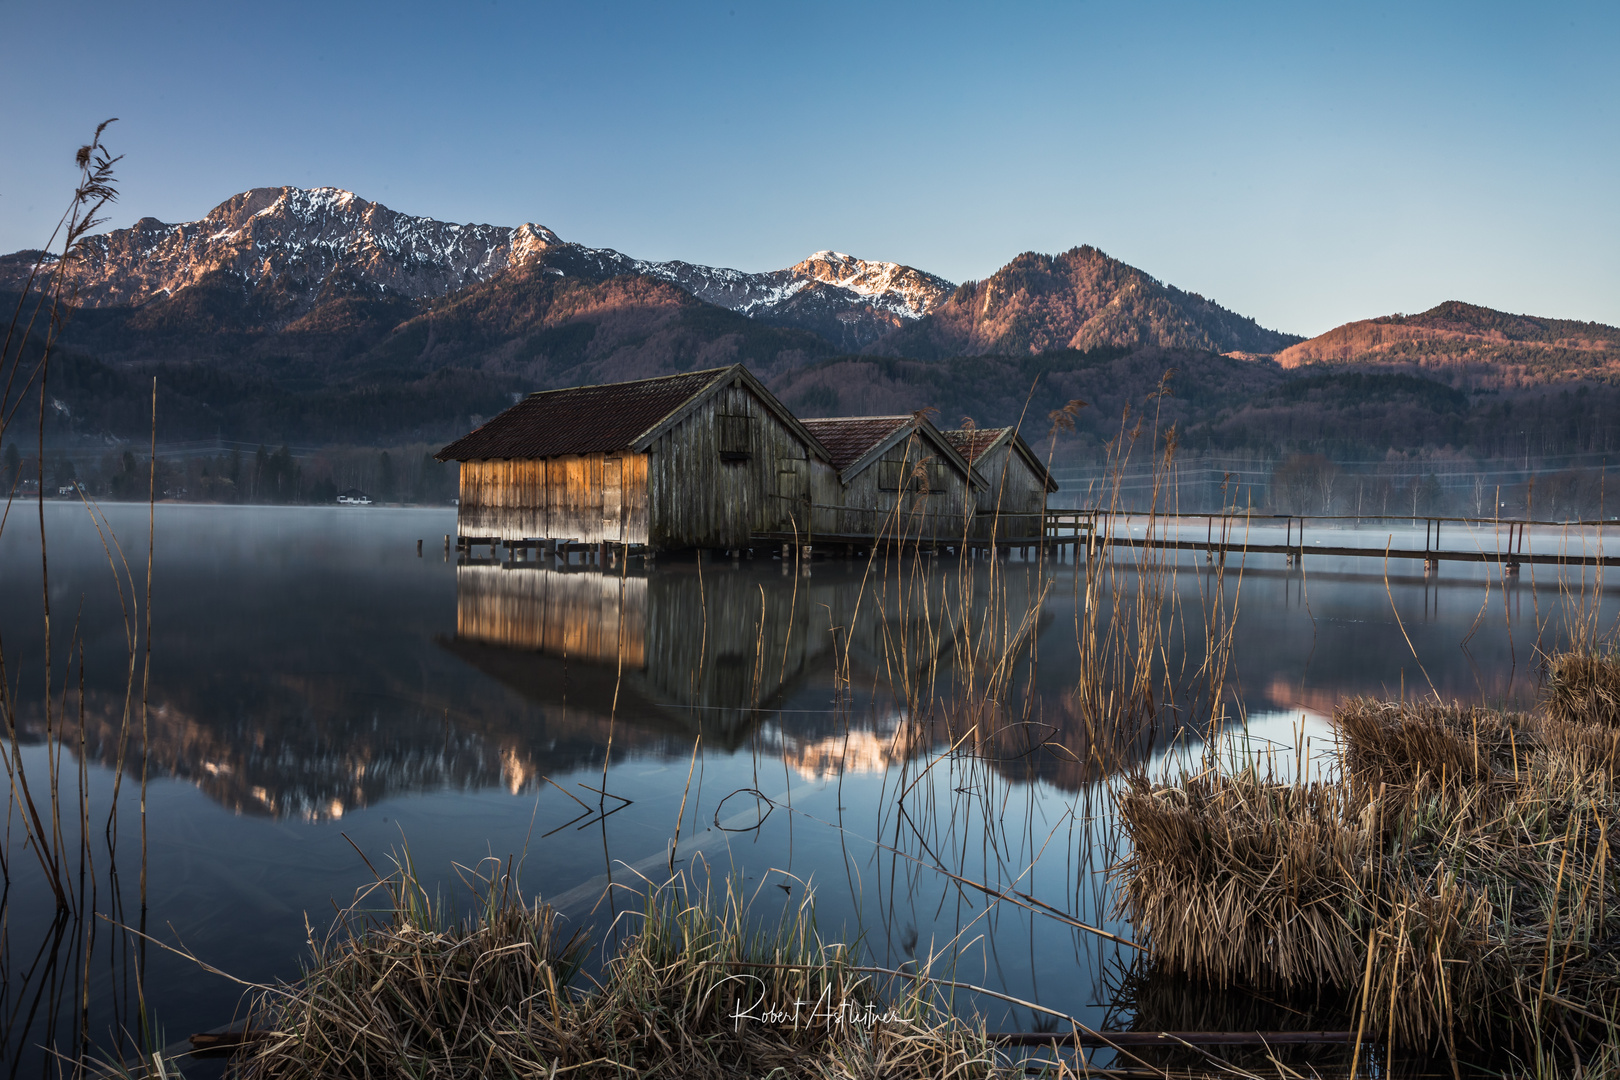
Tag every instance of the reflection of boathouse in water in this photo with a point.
(697, 653)
(712, 460)
(735, 655)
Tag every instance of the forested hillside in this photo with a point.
(1467, 345)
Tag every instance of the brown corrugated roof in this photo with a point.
(971, 443)
(581, 419)
(850, 438)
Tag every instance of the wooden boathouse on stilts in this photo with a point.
(705, 459)
(1012, 503)
(898, 481)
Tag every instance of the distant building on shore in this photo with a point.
(353, 497)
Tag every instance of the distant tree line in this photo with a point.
(407, 475)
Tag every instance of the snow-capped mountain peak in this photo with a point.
(307, 241)
(913, 291)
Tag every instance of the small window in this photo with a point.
(736, 437)
(920, 476)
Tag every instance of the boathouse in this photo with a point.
(1012, 502)
(705, 459)
(898, 478)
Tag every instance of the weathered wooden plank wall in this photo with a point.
(590, 617)
(588, 498)
(1011, 505)
(713, 482)
(943, 513)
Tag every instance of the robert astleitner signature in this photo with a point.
(799, 1013)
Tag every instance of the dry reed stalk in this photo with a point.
(1496, 880)
(1416, 747)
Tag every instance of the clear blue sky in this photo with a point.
(1306, 164)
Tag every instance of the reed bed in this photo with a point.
(410, 990)
(1239, 880)
(1453, 881)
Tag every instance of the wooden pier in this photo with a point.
(1080, 534)
(1227, 534)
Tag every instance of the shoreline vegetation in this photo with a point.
(1450, 886)
(693, 987)
(405, 475)
(1449, 890)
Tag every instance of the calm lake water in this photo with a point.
(318, 690)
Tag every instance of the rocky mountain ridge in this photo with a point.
(1081, 299)
(274, 256)
(313, 316)
(316, 244)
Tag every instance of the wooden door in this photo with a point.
(793, 495)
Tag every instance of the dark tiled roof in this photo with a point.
(971, 443)
(849, 439)
(580, 420)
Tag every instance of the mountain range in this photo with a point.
(313, 315)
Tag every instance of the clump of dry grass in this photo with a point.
(1456, 881)
(1583, 687)
(408, 992)
(1411, 749)
(1236, 879)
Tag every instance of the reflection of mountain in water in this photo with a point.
(892, 739)
(314, 771)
